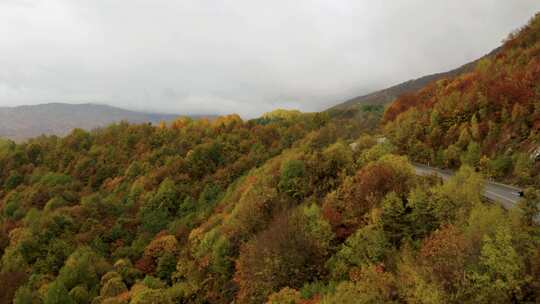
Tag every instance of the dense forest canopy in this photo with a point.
(288, 208)
(488, 118)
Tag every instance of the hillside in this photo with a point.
(388, 95)
(23, 122)
(201, 211)
(488, 118)
(291, 207)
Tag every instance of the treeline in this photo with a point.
(488, 118)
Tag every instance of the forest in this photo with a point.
(488, 119)
(291, 207)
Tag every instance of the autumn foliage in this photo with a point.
(487, 118)
(290, 207)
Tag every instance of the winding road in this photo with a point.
(506, 195)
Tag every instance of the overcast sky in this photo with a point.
(243, 56)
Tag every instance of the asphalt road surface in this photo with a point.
(506, 195)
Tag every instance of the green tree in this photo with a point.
(113, 288)
(153, 220)
(523, 168)
(373, 286)
(23, 296)
(472, 156)
(166, 265)
(58, 294)
(456, 197)
(166, 197)
(500, 166)
(501, 269)
(83, 267)
(423, 218)
(14, 179)
(80, 294)
(530, 206)
(209, 195)
(394, 219)
(293, 180)
(367, 246)
(475, 128)
(451, 156)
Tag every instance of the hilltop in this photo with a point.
(23, 122)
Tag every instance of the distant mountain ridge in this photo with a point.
(387, 95)
(23, 122)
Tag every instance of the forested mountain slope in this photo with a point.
(279, 209)
(488, 118)
(91, 199)
(386, 96)
(287, 208)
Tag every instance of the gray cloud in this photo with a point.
(243, 56)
